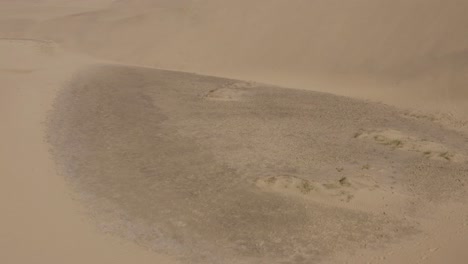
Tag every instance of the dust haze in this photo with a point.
(237, 132)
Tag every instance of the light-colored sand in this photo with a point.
(97, 155)
(40, 223)
(411, 53)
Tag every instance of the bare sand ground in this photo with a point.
(41, 223)
(198, 169)
(410, 53)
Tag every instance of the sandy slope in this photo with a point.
(220, 171)
(210, 170)
(40, 222)
(401, 52)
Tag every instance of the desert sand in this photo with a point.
(207, 131)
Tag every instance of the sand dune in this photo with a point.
(107, 159)
(40, 222)
(401, 52)
(258, 175)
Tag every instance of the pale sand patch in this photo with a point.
(359, 193)
(432, 150)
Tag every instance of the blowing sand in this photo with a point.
(106, 159)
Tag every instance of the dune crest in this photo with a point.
(407, 53)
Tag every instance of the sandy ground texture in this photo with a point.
(105, 159)
(41, 222)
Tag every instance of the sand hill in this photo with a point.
(114, 153)
(400, 52)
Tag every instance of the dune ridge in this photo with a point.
(408, 53)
